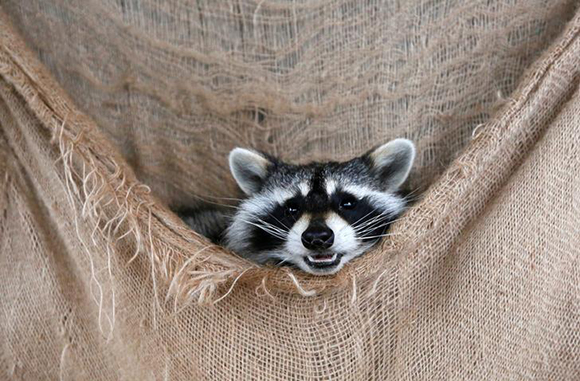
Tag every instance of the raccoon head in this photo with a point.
(317, 216)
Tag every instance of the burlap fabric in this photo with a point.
(112, 110)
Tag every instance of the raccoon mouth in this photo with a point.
(323, 260)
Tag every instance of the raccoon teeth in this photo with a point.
(317, 258)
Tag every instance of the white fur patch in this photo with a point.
(304, 188)
(344, 236)
(330, 187)
(294, 244)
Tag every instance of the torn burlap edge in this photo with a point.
(186, 267)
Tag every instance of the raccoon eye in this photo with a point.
(292, 209)
(348, 203)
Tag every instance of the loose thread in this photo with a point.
(302, 291)
(231, 287)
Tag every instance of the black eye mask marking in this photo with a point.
(368, 221)
(294, 208)
(276, 224)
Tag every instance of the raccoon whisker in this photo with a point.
(362, 225)
(372, 231)
(276, 234)
(283, 261)
(282, 230)
(272, 232)
(225, 206)
(381, 235)
(360, 220)
(380, 215)
(258, 223)
(274, 217)
(368, 225)
(273, 227)
(376, 221)
(267, 229)
(219, 198)
(410, 199)
(373, 221)
(259, 217)
(412, 196)
(354, 225)
(369, 229)
(218, 204)
(412, 193)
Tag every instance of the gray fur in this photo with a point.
(208, 220)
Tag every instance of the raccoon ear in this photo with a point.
(392, 162)
(249, 168)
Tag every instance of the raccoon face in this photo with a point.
(317, 216)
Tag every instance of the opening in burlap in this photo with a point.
(129, 111)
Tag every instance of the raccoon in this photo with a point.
(317, 216)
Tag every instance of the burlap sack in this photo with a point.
(112, 110)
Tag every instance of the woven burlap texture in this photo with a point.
(113, 110)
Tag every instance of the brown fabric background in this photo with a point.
(112, 110)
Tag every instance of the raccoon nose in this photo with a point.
(318, 238)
